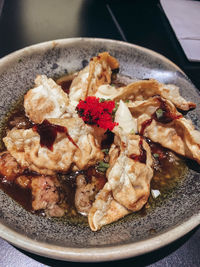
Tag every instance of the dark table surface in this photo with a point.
(142, 22)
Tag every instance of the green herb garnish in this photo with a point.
(115, 108)
(101, 100)
(105, 150)
(156, 155)
(159, 113)
(103, 166)
(102, 169)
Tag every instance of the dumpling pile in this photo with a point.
(60, 141)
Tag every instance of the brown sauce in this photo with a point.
(143, 154)
(66, 81)
(66, 85)
(48, 133)
(168, 173)
(101, 177)
(21, 195)
(68, 184)
(108, 140)
(19, 120)
(157, 149)
(167, 116)
(144, 125)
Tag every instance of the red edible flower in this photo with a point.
(93, 111)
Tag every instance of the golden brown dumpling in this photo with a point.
(144, 89)
(177, 133)
(78, 86)
(91, 77)
(131, 173)
(105, 209)
(128, 185)
(45, 100)
(79, 147)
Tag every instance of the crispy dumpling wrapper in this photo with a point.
(130, 176)
(128, 185)
(105, 209)
(45, 100)
(79, 86)
(179, 135)
(130, 173)
(83, 151)
(98, 72)
(144, 89)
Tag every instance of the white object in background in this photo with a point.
(184, 17)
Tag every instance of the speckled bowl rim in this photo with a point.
(97, 253)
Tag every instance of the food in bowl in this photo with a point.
(108, 133)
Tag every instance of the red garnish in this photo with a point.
(48, 133)
(93, 111)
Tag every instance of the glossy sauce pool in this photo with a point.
(169, 170)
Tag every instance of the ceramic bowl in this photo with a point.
(175, 215)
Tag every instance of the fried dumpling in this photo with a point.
(144, 89)
(130, 172)
(130, 175)
(76, 146)
(100, 71)
(159, 120)
(91, 77)
(128, 185)
(45, 100)
(105, 209)
(79, 86)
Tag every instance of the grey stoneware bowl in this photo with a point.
(175, 214)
